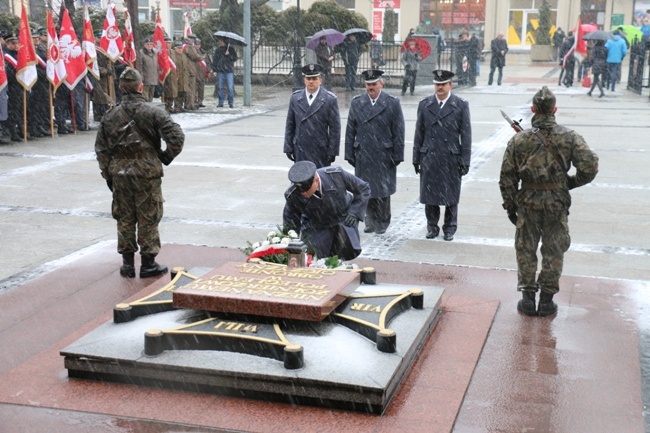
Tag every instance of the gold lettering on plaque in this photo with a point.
(235, 327)
(368, 308)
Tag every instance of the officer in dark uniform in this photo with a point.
(14, 90)
(325, 206)
(313, 128)
(39, 99)
(130, 156)
(4, 133)
(374, 146)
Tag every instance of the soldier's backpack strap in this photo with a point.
(551, 148)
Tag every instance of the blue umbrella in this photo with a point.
(333, 37)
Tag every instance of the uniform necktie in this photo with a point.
(441, 104)
(311, 96)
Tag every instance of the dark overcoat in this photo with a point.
(320, 220)
(374, 141)
(442, 142)
(496, 46)
(313, 132)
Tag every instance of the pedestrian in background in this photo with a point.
(616, 51)
(442, 149)
(411, 59)
(313, 128)
(539, 159)
(567, 61)
(598, 61)
(558, 39)
(499, 49)
(223, 66)
(376, 53)
(374, 146)
(325, 58)
(325, 206)
(147, 64)
(130, 158)
(350, 54)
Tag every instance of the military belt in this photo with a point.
(541, 186)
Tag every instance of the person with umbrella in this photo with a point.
(325, 57)
(411, 59)
(351, 52)
(223, 66)
(598, 62)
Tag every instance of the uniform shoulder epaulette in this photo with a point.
(329, 91)
(333, 169)
(356, 97)
(298, 91)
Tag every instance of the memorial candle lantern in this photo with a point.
(297, 251)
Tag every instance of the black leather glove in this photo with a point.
(109, 183)
(350, 220)
(512, 216)
(571, 182)
(463, 170)
(352, 162)
(330, 159)
(417, 168)
(290, 156)
(165, 158)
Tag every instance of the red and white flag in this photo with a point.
(160, 47)
(56, 72)
(111, 41)
(188, 28)
(26, 62)
(71, 52)
(129, 54)
(579, 48)
(3, 73)
(88, 45)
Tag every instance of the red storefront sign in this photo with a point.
(387, 4)
(377, 22)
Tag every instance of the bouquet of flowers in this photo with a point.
(273, 249)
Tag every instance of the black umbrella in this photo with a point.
(598, 35)
(363, 36)
(231, 38)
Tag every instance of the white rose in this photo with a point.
(256, 245)
(275, 240)
(292, 234)
(271, 234)
(265, 243)
(285, 241)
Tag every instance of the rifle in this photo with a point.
(516, 125)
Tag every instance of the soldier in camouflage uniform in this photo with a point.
(540, 159)
(130, 157)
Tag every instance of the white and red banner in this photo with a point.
(56, 72)
(129, 54)
(111, 41)
(26, 62)
(88, 45)
(3, 73)
(579, 48)
(187, 30)
(71, 52)
(160, 47)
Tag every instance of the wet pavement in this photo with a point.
(585, 370)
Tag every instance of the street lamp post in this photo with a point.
(297, 67)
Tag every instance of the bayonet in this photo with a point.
(516, 125)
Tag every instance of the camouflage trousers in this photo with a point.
(552, 229)
(138, 209)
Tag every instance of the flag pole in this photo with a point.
(87, 113)
(74, 121)
(51, 113)
(24, 115)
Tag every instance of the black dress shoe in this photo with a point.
(381, 231)
(368, 230)
(431, 235)
(449, 237)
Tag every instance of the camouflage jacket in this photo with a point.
(125, 149)
(545, 184)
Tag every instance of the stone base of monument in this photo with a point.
(355, 359)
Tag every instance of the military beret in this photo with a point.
(372, 75)
(544, 100)
(440, 76)
(42, 31)
(301, 174)
(130, 75)
(98, 34)
(35, 33)
(312, 70)
(147, 41)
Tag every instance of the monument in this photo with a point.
(299, 335)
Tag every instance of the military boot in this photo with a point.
(546, 304)
(150, 268)
(4, 139)
(527, 304)
(128, 266)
